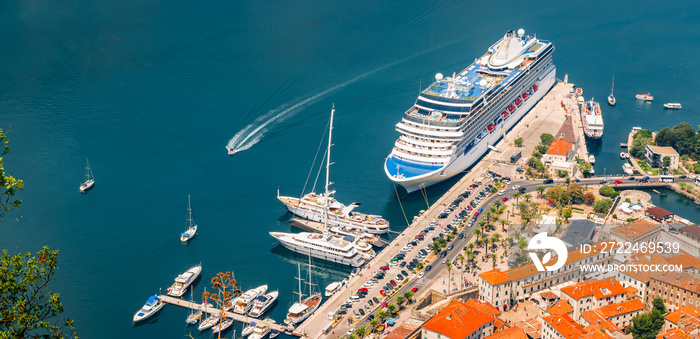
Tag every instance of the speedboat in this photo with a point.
(230, 151)
(223, 326)
(248, 329)
(183, 281)
(262, 303)
(260, 331)
(333, 287)
(644, 97)
(244, 302)
(624, 155)
(672, 105)
(627, 168)
(152, 305)
(591, 159)
(274, 333)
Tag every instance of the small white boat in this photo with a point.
(591, 159)
(230, 151)
(611, 98)
(334, 287)
(627, 168)
(224, 325)
(274, 333)
(262, 303)
(89, 178)
(248, 329)
(152, 305)
(672, 105)
(191, 224)
(183, 281)
(624, 155)
(260, 331)
(244, 302)
(209, 322)
(644, 97)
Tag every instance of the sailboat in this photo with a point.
(304, 308)
(193, 315)
(191, 224)
(319, 207)
(89, 178)
(611, 98)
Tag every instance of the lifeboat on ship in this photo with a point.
(518, 102)
(525, 95)
(534, 87)
(491, 127)
(504, 114)
(511, 108)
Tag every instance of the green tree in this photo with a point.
(585, 168)
(696, 168)
(589, 198)
(665, 137)
(684, 136)
(659, 305)
(408, 296)
(9, 184)
(27, 308)
(603, 205)
(399, 299)
(382, 316)
(420, 266)
(518, 142)
(665, 163)
(392, 309)
(645, 133)
(575, 192)
(638, 146)
(374, 324)
(522, 243)
(362, 332)
(567, 214)
(606, 191)
(646, 325)
(546, 139)
(540, 190)
(533, 162)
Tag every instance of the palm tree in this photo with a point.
(516, 196)
(461, 270)
(374, 323)
(477, 233)
(392, 308)
(408, 295)
(382, 316)
(362, 332)
(399, 299)
(493, 259)
(448, 265)
(470, 246)
(471, 257)
(541, 189)
(495, 238)
(527, 197)
(504, 222)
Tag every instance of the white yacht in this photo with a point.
(183, 281)
(672, 105)
(152, 305)
(322, 246)
(592, 119)
(591, 159)
(262, 303)
(244, 302)
(226, 323)
(260, 331)
(325, 208)
(456, 119)
(248, 329)
(334, 287)
(209, 322)
(89, 178)
(304, 307)
(191, 230)
(627, 168)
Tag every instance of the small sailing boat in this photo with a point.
(611, 98)
(193, 315)
(89, 178)
(191, 224)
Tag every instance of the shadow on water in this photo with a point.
(322, 269)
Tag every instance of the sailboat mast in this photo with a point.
(299, 278)
(328, 159)
(613, 86)
(189, 211)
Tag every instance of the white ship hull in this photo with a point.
(465, 161)
(260, 308)
(290, 244)
(333, 220)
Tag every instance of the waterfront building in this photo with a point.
(503, 288)
(686, 238)
(558, 151)
(592, 294)
(563, 327)
(458, 321)
(655, 155)
(659, 214)
(637, 232)
(619, 315)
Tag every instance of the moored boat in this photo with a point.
(183, 281)
(644, 97)
(592, 119)
(624, 155)
(244, 302)
(334, 287)
(262, 303)
(228, 321)
(152, 305)
(260, 331)
(274, 333)
(303, 308)
(672, 105)
(628, 169)
(209, 322)
(248, 329)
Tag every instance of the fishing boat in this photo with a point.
(262, 303)
(672, 105)
(152, 305)
(244, 302)
(325, 208)
(191, 230)
(248, 329)
(303, 308)
(89, 178)
(260, 331)
(611, 97)
(334, 287)
(591, 159)
(644, 97)
(274, 333)
(228, 321)
(183, 281)
(627, 168)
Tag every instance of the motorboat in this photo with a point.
(260, 331)
(244, 302)
(183, 281)
(152, 305)
(248, 330)
(672, 105)
(334, 287)
(644, 97)
(262, 303)
(627, 168)
(228, 321)
(274, 333)
(624, 155)
(591, 159)
(191, 230)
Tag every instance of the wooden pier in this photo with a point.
(212, 310)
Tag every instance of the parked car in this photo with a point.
(618, 181)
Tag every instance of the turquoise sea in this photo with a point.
(152, 91)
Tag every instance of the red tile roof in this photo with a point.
(510, 333)
(613, 310)
(562, 307)
(598, 289)
(483, 306)
(565, 326)
(559, 147)
(457, 321)
(494, 277)
(687, 313)
(636, 229)
(596, 319)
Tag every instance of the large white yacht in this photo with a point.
(322, 246)
(592, 119)
(244, 302)
(456, 119)
(325, 208)
(262, 303)
(183, 281)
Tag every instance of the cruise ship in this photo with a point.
(456, 119)
(322, 246)
(592, 119)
